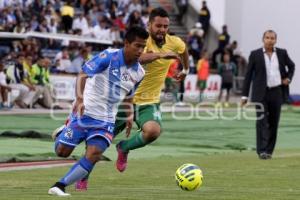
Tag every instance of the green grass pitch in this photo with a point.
(222, 148)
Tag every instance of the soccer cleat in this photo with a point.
(57, 131)
(121, 162)
(58, 192)
(81, 185)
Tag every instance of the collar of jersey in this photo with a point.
(134, 66)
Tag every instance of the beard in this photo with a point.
(159, 39)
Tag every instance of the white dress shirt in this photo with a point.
(272, 69)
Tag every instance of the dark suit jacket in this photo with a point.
(256, 73)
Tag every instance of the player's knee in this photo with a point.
(62, 151)
(62, 154)
(94, 156)
(151, 131)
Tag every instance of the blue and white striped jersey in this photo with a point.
(110, 81)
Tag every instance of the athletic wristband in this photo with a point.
(185, 71)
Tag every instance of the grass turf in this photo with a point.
(222, 148)
(233, 176)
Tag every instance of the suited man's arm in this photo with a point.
(290, 65)
(248, 76)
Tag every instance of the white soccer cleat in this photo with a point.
(58, 192)
(57, 131)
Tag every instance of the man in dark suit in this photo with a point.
(270, 70)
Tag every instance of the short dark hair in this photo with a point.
(270, 31)
(134, 32)
(158, 12)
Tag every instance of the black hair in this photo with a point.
(270, 31)
(134, 32)
(158, 12)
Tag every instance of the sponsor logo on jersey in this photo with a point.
(91, 65)
(125, 76)
(102, 55)
(69, 133)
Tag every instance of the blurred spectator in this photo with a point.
(123, 4)
(17, 77)
(202, 73)
(102, 9)
(40, 74)
(145, 3)
(231, 49)
(52, 26)
(135, 19)
(119, 23)
(62, 60)
(57, 5)
(192, 63)
(135, 5)
(4, 89)
(36, 7)
(227, 71)
(102, 31)
(33, 24)
(224, 39)
(195, 41)
(182, 7)
(171, 85)
(80, 23)
(67, 14)
(43, 26)
(19, 28)
(78, 61)
(204, 17)
(145, 17)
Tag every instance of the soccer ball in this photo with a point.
(189, 177)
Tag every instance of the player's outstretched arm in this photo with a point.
(148, 57)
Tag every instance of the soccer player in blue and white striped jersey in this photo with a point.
(105, 81)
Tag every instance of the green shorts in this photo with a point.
(142, 114)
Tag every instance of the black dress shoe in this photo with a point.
(264, 156)
(269, 156)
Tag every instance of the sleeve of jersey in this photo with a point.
(180, 45)
(96, 64)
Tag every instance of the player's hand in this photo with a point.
(180, 76)
(129, 123)
(169, 55)
(244, 102)
(78, 106)
(286, 81)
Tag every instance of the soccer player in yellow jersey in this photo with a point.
(161, 49)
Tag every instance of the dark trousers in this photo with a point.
(268, 115)
(67, 22)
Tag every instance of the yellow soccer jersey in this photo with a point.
(149, 90)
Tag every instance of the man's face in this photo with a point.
(158, 28)
(135, 49)
(269, 40)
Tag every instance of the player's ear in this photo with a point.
(148, 25)
(126, 43)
